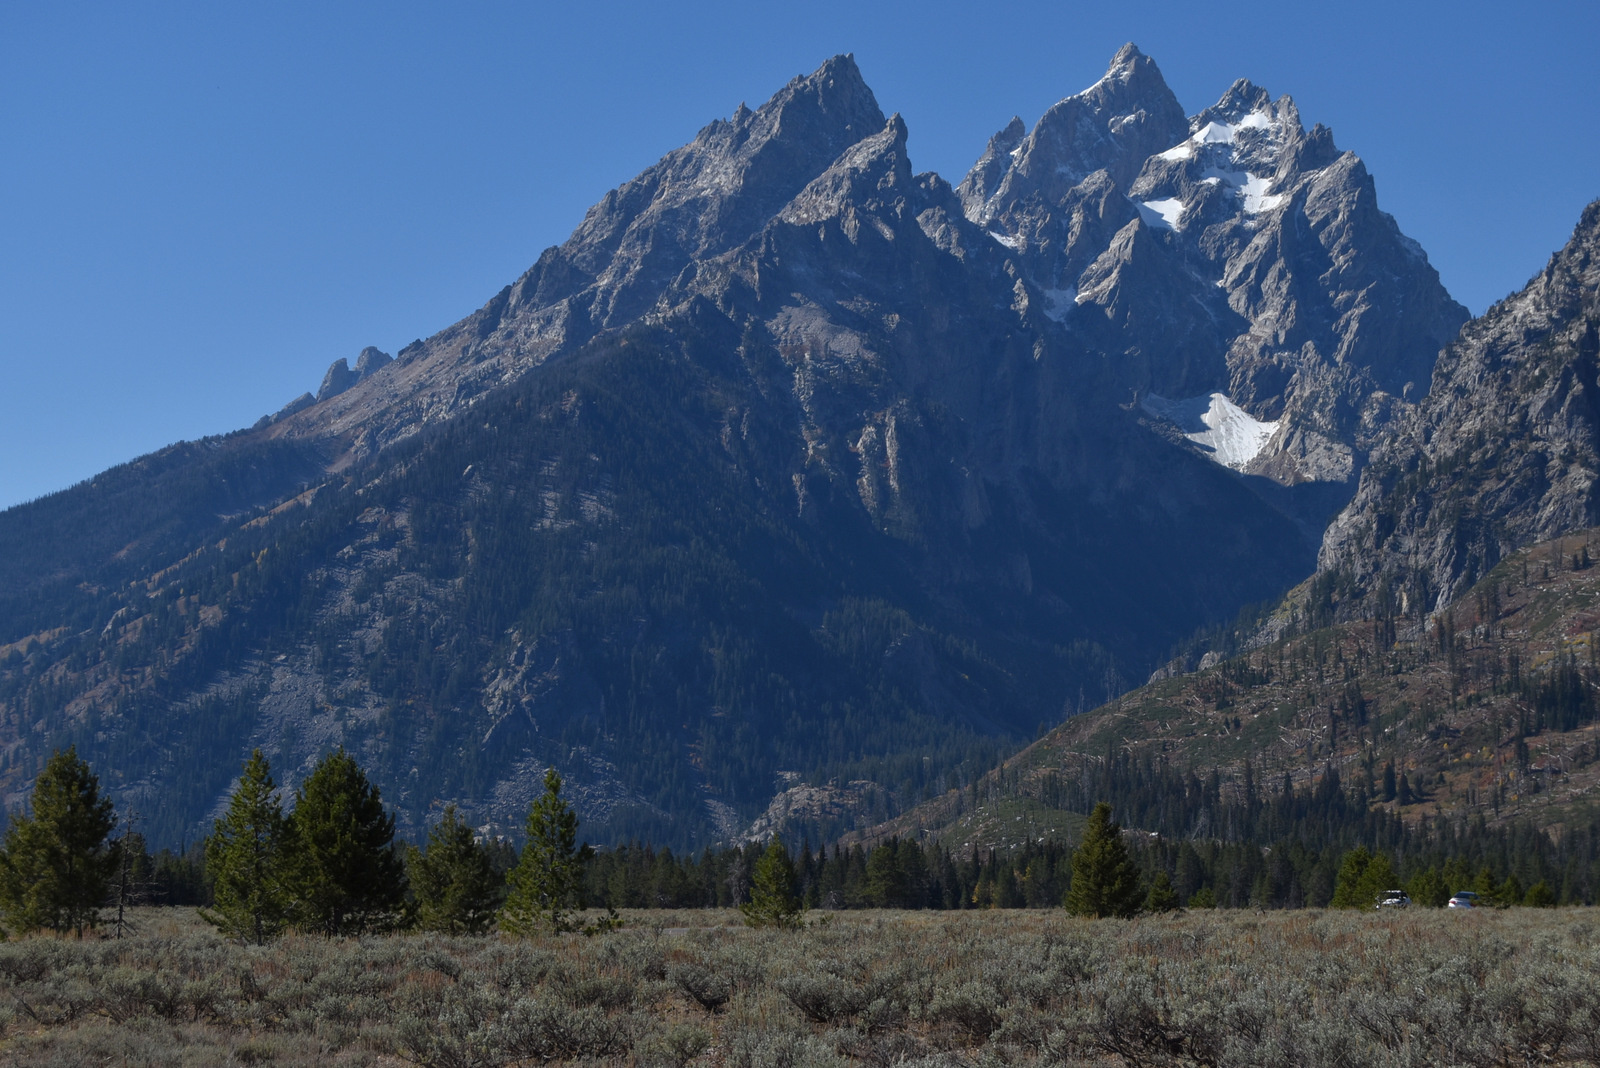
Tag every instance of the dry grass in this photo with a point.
(929, 989)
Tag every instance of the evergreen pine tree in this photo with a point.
(1162, 898)
(1347, 890)
(345, 876)
(1105, 881)
(1509, 892)
(1378, 877)
(56, 865)
(246, 859)
(1540, 895)
(886, 880)
(546, 884)
(1429, 889)
(773, 901)
(456, 886)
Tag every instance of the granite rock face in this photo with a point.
(697, 202)
(1232, 252)
(338, 379)
(1503, 452)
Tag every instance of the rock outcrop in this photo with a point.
(1503, 452)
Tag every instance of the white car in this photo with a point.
(1393, 899)
(1464, 899)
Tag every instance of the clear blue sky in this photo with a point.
(203, 205)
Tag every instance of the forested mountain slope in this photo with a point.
(1489, 708)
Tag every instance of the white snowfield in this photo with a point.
(1161, 213)
(1230, 435)
(1251, 190)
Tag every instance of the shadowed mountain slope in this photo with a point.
(789, 467)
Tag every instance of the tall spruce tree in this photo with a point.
(1105, 881)
(773, 901)
(1348, 890)
(56, 865)
(247, 859)
(345, 876)
(546, 885)
(455, 882)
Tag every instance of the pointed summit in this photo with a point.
(1129, 63)
(984, 177)
(1114, 125)
(874, 172)
(703, 199)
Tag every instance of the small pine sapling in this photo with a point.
(773, 901)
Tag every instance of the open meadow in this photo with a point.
(998, 987)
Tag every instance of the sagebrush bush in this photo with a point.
(891, 989)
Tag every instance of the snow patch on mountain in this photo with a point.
(1230, 435)
(1163, 214)
(1251, 189)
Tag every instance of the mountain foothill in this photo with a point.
(798, 487)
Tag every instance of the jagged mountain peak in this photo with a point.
(1129, 65)
(1126, 56)
(721, 186)
(1270, 276)
(873, 166)
(1113, 125)
(698, 202)
(1242, 98)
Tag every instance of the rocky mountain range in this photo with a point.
(1449, 637)
(792, 472)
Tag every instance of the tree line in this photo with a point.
(331, 864)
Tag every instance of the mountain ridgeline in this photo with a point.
(795, 487)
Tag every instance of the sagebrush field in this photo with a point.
(1024, 987)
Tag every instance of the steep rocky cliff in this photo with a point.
(1502, 453)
